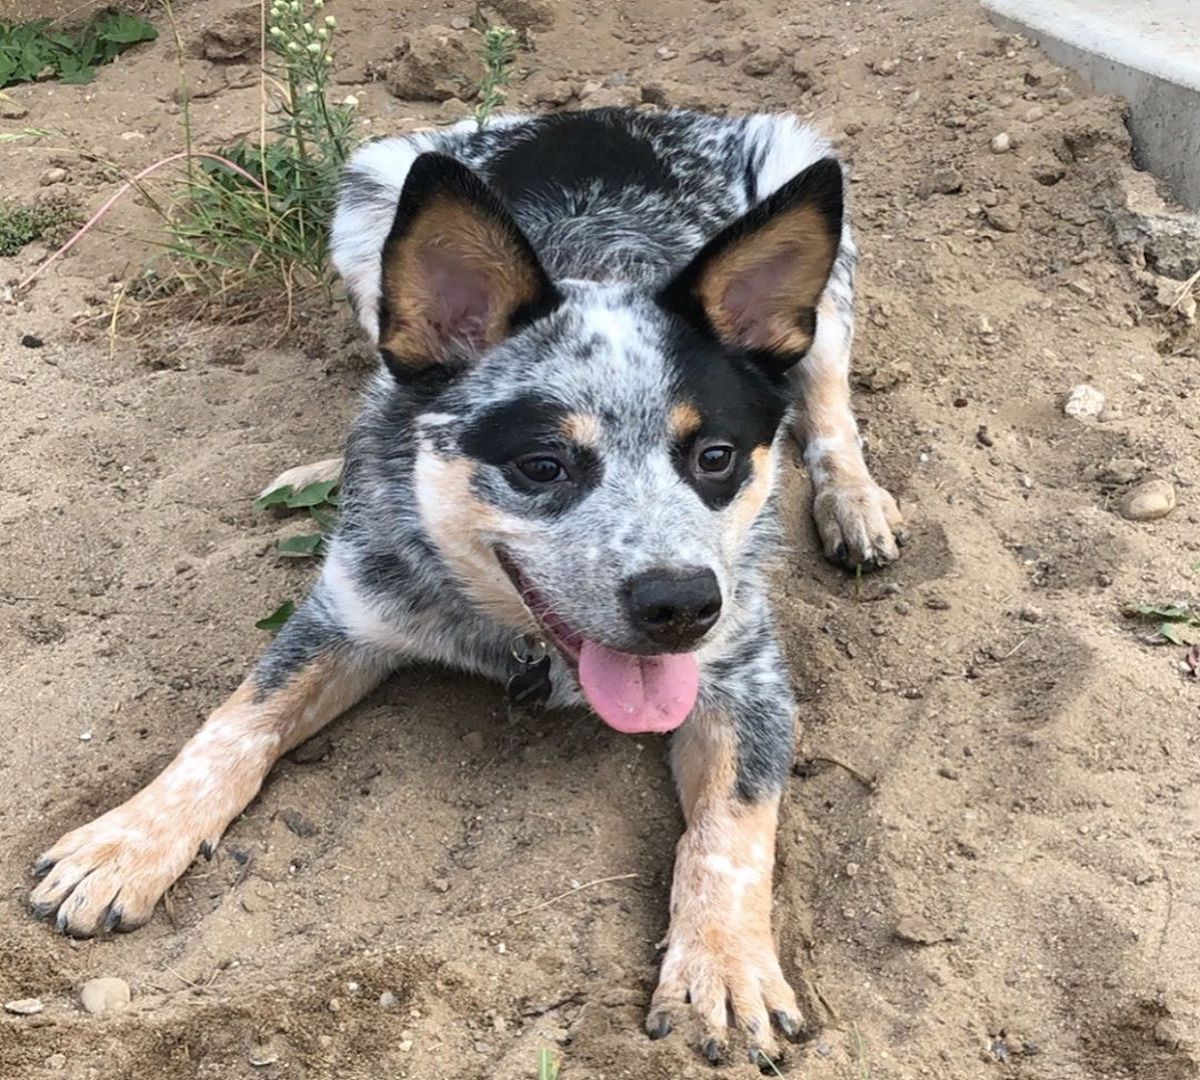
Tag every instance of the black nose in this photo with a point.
(674, 608)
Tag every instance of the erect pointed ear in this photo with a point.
(756, 284)
(459, 276)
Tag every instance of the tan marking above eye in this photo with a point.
(582, 428)
(683, 420)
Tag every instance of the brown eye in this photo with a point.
(715, 462)
(541, 469)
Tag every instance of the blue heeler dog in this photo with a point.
(595, 329)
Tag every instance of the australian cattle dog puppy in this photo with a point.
(596, 330)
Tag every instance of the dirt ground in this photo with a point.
(1014, 891)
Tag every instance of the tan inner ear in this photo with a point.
(455, 234)
(793, 255)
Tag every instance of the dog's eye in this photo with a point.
(715, 461)
(542, 469)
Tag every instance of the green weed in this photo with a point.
(499, 55)
(321, 502)
(548, 1065)
(21, 225)
(260, 211)
(1178, 624)
(29, 49)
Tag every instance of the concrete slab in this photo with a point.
(1146, 51)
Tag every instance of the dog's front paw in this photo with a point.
(109, 874)
(859, 523)
(721, 966)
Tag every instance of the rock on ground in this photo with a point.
(104, 995)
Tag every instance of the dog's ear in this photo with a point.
(459, 276)
(756, 284)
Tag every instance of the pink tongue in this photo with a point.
(638, 694)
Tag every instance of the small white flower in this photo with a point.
(276, 32)
(314, 48)
(322, 34)
(330, 21)
(350, 101)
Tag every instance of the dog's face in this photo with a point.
(594, 459)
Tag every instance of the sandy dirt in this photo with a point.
(1009, 887)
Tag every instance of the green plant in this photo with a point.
(1178, 624)
(21, 225)
(28, 49)
(499, 54)
(321, 502)
(262, 211)
(548, 1065)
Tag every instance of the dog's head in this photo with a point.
(594, 460)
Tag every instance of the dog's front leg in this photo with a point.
(109, 874)
(858, 521)
(730, 760)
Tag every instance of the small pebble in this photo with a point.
(104, 995)
(460, 22)
(1035, 114)
(885, 67)
(387, 1000)
(1002, 143)
(947, 181)
(917, 930)
(852, 870)
(24, 1006)
(404, 1045)
(53, 176)
(56, 1062)
(32, 341)
(1031, 614)
(1148, 501)
(1083, 402)
(1005, 219)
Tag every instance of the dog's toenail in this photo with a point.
(658, 1026)
(842, 552)
(712, 1051)
(787, 1024)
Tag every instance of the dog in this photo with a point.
(596, 330)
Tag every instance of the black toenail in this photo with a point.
(712, 1051)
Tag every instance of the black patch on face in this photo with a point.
(740, 404)
(574, 151)
(531, 426)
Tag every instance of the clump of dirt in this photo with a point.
(999, 881)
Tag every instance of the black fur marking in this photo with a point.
(738, 400)
(527, 426)
(578, 151)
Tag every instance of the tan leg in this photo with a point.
(720, 953)
(109, 874)
(858, 521)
